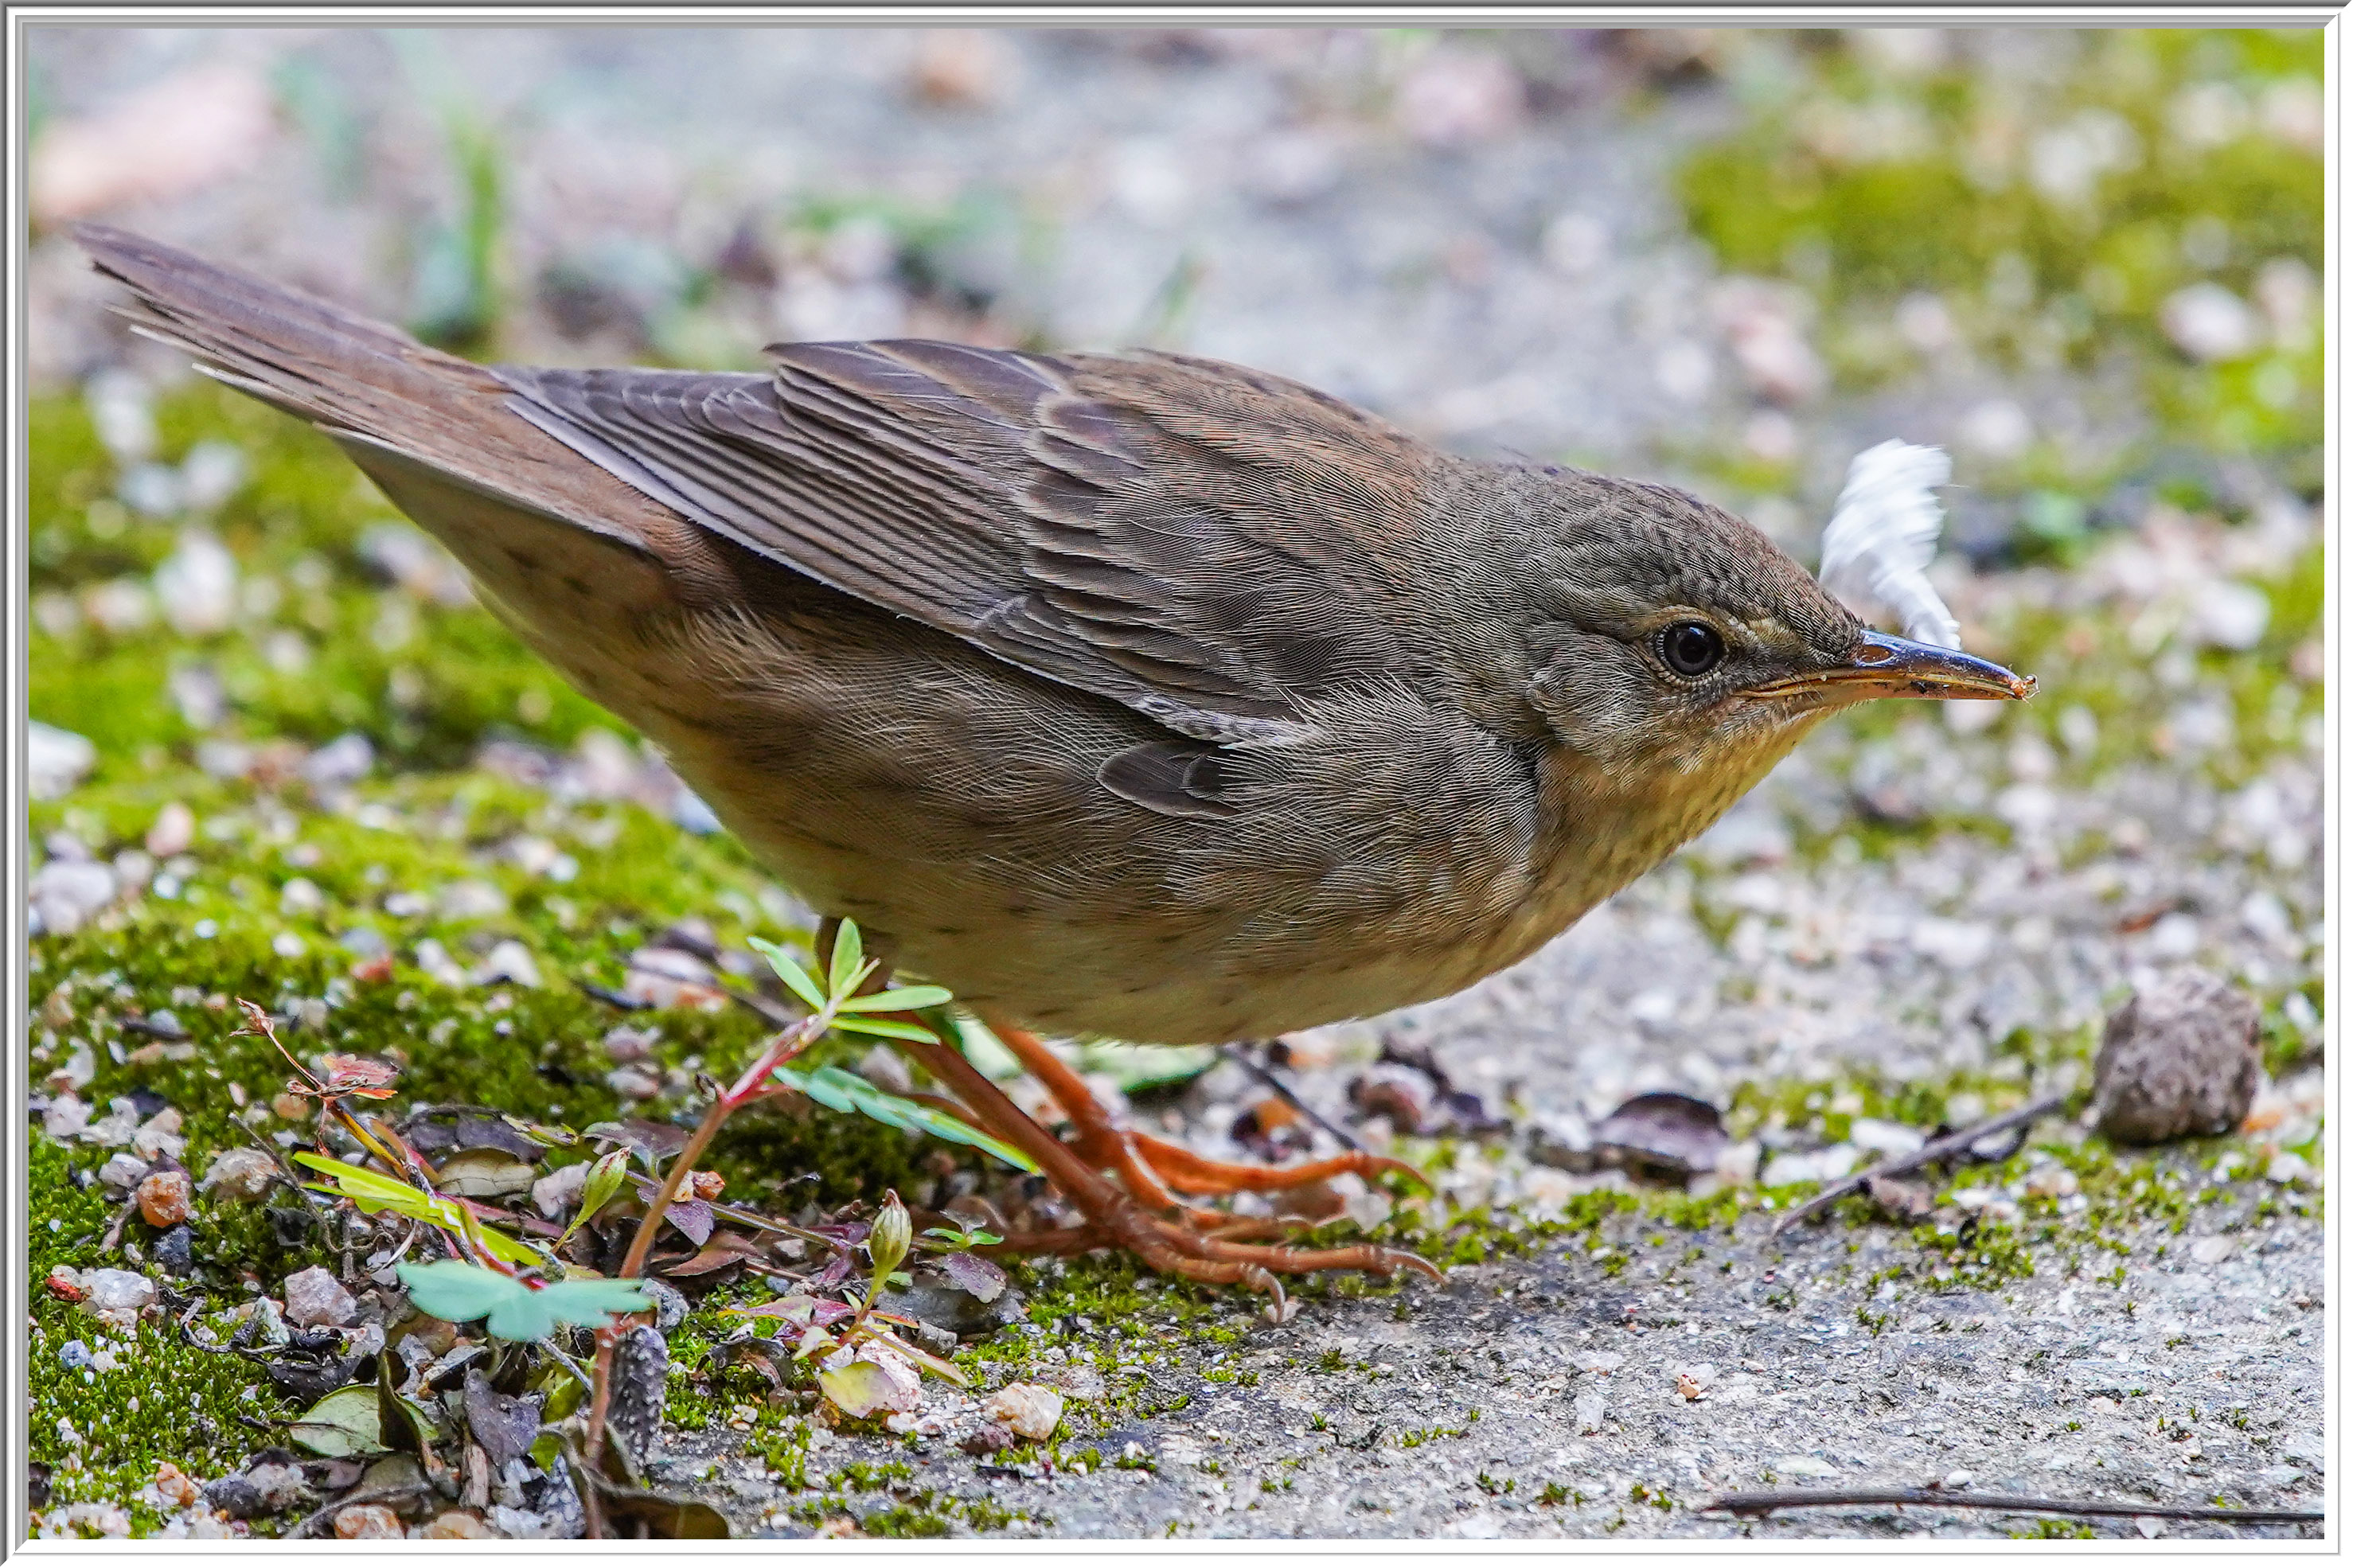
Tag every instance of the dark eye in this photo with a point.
(1690, 648)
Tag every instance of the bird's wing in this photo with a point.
(1203, 543)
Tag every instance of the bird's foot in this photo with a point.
(1133, 1208)
(1149, 1167)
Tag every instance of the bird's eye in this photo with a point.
(1690, 648)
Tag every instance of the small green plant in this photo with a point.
(514, 1307)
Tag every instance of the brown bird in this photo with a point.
(1135, 695)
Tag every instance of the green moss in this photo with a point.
(1864, 185)
(104, 1432)
(333, 651)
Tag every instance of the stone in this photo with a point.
(119, 1290)
(457, 1525)
(174, 831)
(990, 1438)
(317, 1299)
(164, 1199)
(173, 1485)
(174, 1251)
(517, 1523)
(1029, 1409)
(2179, 1059)
(510, 962)
(367, 1521)
(342, 762)
(241, 1174)
(65, 893)
(236, 1497)
(55, 760)
(121, 1173)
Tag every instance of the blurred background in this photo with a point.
(2086, 262)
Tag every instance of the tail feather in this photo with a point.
(366, 384)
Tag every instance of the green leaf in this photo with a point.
(892, 1028)
(849, 952)
(590, 1303)
(460, 1292)
(802, 984)
(374, 1192)
(344, 1424)
(605, 1178)
(898, 999)
(839, 1091)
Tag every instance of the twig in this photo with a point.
(782, 1048)
(569, 1365)
(382, 1494)
(1929, 1153)
(1283, 1092)
(1756, 1505)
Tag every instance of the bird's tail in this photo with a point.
(404, 412)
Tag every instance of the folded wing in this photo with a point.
(1163, 532)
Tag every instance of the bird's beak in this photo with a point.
(1884, 665)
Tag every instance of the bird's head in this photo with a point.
(1676, 648)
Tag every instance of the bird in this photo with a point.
(1132, 696)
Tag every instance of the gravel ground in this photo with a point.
(1523, 285)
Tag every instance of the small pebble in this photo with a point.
(73, 1355)
(173, 832)
(164, 1199)
(175, 1251)
(119, 1290)
(316, 1299)
(367, 1521)
(2178, 1060)
(1031, 1411)
(123, 1172)
(990, 1438)
(173, 1484)
(457, 1525)
(243, 1174)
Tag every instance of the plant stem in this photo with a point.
(781, 1049)
(1929, 1153)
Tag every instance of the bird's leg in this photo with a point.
(1158, 1163)
(1114, 1218)
(1103, 1142)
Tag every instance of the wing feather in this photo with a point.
(1189, 538)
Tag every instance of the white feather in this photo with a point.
(1883, 534)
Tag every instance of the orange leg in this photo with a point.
(1173, 1164)
(1115, 1213)
(1116, 1219)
